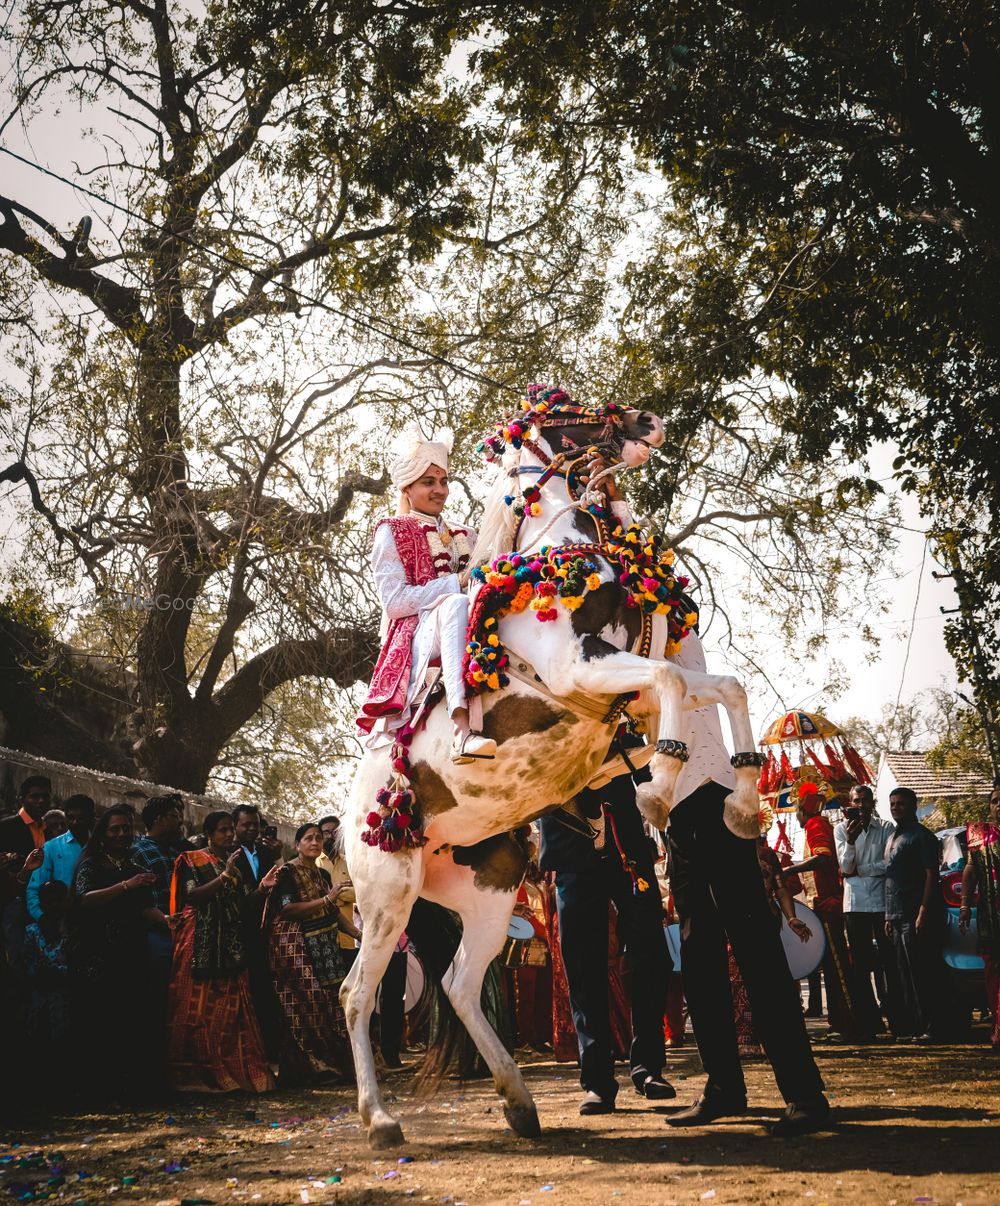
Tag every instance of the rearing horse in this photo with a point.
(553, 724)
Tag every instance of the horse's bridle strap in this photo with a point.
(590, 707)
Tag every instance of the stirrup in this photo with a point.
(486, 752)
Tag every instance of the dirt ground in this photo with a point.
(913, 1124)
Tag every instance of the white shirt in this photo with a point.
(254, 862)
(708, 757)
(397, 597)
(862, 864)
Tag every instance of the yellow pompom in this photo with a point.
(669, 557)
(672, 648)
(571, 601)
(536, 509)
(493, 682)
(593, 582)
(691, 619)
(493, 640)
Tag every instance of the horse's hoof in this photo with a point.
(650, 805)
(523, 1121)
(741, 821)
(383, 1135)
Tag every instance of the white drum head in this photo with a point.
(672, 933)
(414, 981)
(803, 957)
(520, 928)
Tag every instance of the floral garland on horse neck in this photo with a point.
(539, 580)
(514, 581)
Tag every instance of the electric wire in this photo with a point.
(909, 639)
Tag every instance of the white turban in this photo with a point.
(415, 454)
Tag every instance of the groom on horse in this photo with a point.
(417, 560)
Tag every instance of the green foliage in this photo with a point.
(329, 217)
(27, 606)
(960, 742)
(834, 188)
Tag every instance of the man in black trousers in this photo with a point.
(587, 878)
(720, 897)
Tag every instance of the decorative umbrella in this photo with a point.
(810, 748)
(799, 726)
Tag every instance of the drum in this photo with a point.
(414, 980)
(523, 947)
(803, 957)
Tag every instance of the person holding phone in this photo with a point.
(259, 851)
(215, 1040)
(861, 839)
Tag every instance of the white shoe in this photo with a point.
(472, 747)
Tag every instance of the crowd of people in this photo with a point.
(221, 963)
(214, 958)
(875, 885)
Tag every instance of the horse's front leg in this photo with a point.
(664, 686)
(385, 896)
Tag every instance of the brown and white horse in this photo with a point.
(548, 750)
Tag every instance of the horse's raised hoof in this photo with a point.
(650, 805)
(384, 1135)
(523, 1121)
(742, 821)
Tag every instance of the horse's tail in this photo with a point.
(435, 933)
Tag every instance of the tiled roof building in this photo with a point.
(909, 768)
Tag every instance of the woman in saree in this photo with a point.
(215, 1041)
(303, 924)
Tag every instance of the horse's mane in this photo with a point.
(496, 528)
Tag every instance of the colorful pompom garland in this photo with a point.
(514, 582)
(542, 401)
(646, 572)
(554, 575)
(394, 824)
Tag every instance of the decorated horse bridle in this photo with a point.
(547, 407)
(551, 407)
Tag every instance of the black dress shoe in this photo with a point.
(594, 1103)
(707, 1109)
(655, 1088)
(803, 1117)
